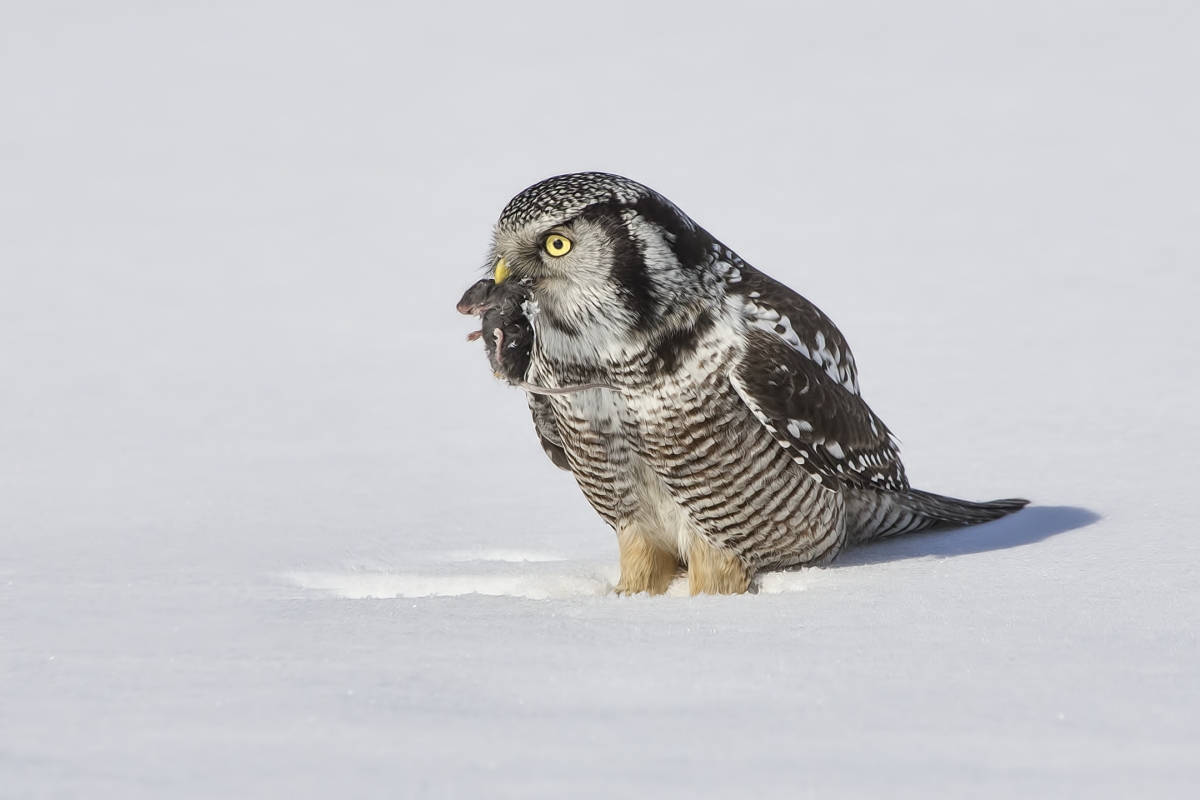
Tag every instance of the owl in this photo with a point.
(710, 414)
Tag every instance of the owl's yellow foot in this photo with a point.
(644, 567)
(712, 570)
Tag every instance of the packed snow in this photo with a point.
(269, 527)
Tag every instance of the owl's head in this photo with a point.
(599, 248)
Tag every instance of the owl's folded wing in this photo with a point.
(547, 430)
(773, 307)
(829, 431)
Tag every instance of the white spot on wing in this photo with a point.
(829, 358)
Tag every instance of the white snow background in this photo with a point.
(269, 528)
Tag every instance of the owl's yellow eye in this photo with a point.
(501, 272)
(557, 245)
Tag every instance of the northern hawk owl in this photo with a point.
(710, 414)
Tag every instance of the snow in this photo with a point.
(268, 526)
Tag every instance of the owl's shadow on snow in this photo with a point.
(1033, 524)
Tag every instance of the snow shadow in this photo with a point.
(1030, 525)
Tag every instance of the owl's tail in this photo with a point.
(873, 515)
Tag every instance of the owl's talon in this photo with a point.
(645, 567)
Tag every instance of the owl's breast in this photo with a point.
(724, 469)
(676, 422)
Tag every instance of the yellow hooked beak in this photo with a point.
(501, 273)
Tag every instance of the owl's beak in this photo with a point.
(501, 272)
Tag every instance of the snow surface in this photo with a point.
(268, 527)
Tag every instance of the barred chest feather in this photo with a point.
(673, 448)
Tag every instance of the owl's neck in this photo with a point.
(585, 332)
(607, 342)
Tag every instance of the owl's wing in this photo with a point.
(547, 430)
(829, 431)
(773, 307)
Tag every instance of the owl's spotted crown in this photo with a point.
(564, 196)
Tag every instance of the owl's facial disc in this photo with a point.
(571, 265)
(554, 245)
(537, 253)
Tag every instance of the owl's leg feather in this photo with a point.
(645, 567)
(713, 570)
